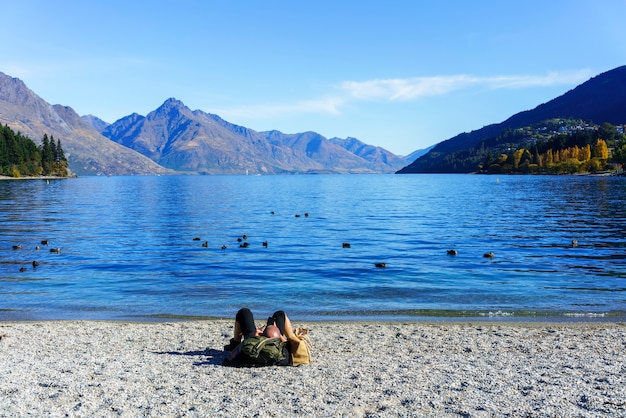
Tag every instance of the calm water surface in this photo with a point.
(128, 249)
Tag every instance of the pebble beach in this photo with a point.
(358, 369)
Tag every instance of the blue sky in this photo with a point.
(403, 75)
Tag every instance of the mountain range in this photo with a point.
(598, 100)
(189, 141)
(175, 139)
(88, 151)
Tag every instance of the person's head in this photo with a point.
(271, 331)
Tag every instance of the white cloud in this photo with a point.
(418, 87)
(550, 79)
(405, 89)
(399, 90)
(328, 105)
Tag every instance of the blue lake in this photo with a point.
(128, 249)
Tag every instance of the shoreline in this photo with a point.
(36, 178)
(369, 368)
(432, 316)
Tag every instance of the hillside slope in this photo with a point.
(600, 99)
(87, 151)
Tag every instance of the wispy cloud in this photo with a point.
(418, 87)
(405, 89)
(401, 90)
(550, 79)
(328, 105)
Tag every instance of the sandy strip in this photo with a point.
(84, 368)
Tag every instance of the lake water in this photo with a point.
(128, 249)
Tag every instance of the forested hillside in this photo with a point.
(20, 156)
(544, 137)
(555, 146)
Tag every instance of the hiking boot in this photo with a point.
(231, 346)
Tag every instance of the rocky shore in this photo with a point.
(480, 369)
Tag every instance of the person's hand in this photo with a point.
(260, 330)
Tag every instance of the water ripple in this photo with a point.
(127, 247)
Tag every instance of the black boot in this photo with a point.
(231, 346)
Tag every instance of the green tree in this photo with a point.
(608, 132)
(53, 151)
(46, 155)
(60, 154)
(619, 152)
(18, 154)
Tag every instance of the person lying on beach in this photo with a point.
(267, 345)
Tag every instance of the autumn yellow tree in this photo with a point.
(540, 160)
(601, 150)
(517, 156)
(585, 154)
(549, 159)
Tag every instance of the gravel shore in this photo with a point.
(481, 369)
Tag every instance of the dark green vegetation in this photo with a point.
(555, 147)
(580, 131)
(20, 156)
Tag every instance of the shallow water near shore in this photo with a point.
(127, 247)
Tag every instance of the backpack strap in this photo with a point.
(265, 341)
